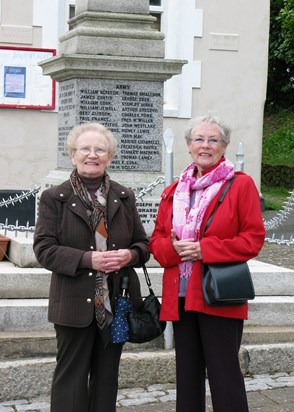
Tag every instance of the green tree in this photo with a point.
(280, 86)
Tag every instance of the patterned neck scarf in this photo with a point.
(96, 212)
(187, 218)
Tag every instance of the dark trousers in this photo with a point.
(86, 374)
(208, 343)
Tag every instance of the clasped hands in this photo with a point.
(187, 249)
(111, 260)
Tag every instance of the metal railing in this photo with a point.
(280, 220)
(12, 201)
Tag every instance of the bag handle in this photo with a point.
(221, 198)
(125, 278)
(148, 281)
(147, 278)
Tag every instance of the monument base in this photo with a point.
(146, 186)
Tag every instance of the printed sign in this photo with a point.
(22, 84)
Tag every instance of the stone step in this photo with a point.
(255, 335)
(21, 283)
(20, 251)
(271, 311)
(31, 314)
(20, 345)
(271, 280)
(24, 315)
(31, 378)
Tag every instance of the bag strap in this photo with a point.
(125, 280)
(147, 278)
(148, 281)
(221, 198)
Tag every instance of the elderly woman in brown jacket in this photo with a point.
(88, 229)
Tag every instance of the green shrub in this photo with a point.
(274, 197)
(278, 148)
(278, 138)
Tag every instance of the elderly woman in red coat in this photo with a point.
(87, 231)
(207, 338)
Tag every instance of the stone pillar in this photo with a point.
(111, 69)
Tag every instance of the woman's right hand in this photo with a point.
(188, 249)
(111, 260)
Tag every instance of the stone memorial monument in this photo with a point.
(111, 69)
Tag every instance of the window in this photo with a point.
(155, 3)
(71, 14)
(156, 9)
(71, 11)
(157, 24)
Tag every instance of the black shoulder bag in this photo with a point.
(228, 283)
(144, 325)
(136, 326)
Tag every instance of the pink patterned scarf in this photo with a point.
(187, 218)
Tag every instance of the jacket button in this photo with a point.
(74, 204)
(90, 274)
(92, 247)
(61, 195)
(115, 200)
(89, 300)
(113, 244)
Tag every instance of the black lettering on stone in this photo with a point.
(131, 110)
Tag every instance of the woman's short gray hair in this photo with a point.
(91, 127)
(212, 119)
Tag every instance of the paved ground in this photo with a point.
(274, 400)
(265, 394)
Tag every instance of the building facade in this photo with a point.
(226, 48)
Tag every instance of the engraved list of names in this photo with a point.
(132, 110)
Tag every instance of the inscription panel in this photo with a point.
(132, 110)
(148, 211)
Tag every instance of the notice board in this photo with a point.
(22, 83)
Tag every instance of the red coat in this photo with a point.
(236, 234)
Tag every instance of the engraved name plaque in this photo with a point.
(132, 110)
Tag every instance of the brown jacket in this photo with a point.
(62, 236)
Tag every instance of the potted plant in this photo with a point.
(4, 242)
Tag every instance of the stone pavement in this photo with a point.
(266, 393)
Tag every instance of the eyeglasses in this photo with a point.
(87, 150)
(199, 141)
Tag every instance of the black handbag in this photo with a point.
(144, 325)
(228, 283)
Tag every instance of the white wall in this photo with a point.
(28, 138)
(233, 75)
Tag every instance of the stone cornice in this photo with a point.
(67, 67)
